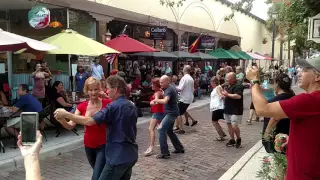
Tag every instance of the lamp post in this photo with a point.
(274, 16)
(108, 36)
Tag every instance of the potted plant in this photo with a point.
(264, 41)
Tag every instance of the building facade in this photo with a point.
(93, 18)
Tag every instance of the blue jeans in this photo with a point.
(117, 172)
(167, 129)
(97, 160)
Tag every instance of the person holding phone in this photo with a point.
(39, 77)
(304, 114)
(95, 135)
(30, 154)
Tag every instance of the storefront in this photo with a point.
(16, 21)
(159, 37)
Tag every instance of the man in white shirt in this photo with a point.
(186, 89)
(97, 70)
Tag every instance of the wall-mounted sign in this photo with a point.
(314, 29)
(158, 32)
(207, 41)
(39, 17)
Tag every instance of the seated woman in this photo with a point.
(57, 98)
(95, 135)
(273, 126)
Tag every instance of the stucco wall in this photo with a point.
(207, 15)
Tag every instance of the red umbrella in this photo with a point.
(123, 43)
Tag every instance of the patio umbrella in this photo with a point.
(223, 54)
(125, 44)
(205, 56)
(71, 42)
(186, 55)
(255, 56)
(160, 54)
(14, 42)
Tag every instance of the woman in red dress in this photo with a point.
(94, 136)
(158, 114)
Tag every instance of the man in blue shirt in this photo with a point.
(26, 103)
(97, 70)
(120, 117)
(167, 123)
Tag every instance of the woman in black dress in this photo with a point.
(273, 126)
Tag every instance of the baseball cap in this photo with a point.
(311, 62)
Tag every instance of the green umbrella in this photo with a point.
(204, 56)
(71, 42)
(241, 55)
(223, 54)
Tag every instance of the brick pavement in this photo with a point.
(204, 158)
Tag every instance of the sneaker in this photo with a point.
(149, 151)
(186, 124)
(178, 151)
(163, 156)
(176, 128)
(194, 123)
(181, 131)
(231, 143)
(238, 143)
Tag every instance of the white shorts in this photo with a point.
(233, 119)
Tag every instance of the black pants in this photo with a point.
(117, 172)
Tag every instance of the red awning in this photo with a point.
(125, 44)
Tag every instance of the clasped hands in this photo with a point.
(60, 115)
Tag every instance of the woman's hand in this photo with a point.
(30, 150)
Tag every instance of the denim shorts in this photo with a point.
(158, 116)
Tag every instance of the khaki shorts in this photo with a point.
(14, 122)
(233, 119)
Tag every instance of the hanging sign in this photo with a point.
(39, 17)
(158, 32)
(314, 29)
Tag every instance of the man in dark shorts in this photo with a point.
(186, 88)
(166, 126)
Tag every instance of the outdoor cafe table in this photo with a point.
(3, 120)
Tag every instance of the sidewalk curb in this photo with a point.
(17, 161)
(56, 149)
(237, 167)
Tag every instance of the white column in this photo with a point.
(9, 63)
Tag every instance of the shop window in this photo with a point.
(83, 23)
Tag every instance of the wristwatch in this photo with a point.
(255, 82)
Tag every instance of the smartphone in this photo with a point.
(28, 127)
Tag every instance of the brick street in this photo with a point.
(204, 158)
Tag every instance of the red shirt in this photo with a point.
(303, 153)
(95, 135)
(158, 108)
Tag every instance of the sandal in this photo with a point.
(249, 122)
(220, 139)
(163, 156)
(149, 151)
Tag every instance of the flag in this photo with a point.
(110, 57)
(194, 45)
(124, 29)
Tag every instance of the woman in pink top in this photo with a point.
(39, 77)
